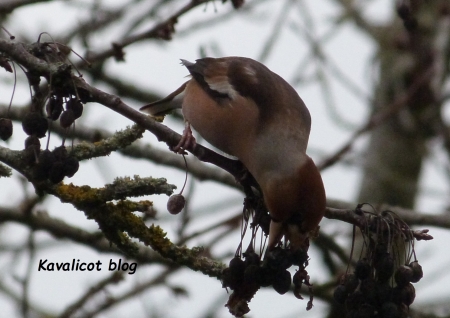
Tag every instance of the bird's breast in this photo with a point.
(228, 124)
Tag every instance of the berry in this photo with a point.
(282, 282)
(6, 128)
(362, 269)
(340, 294)
(176, 203)
(76, 106)
(56, 173)
(417, 271)
(71, 166)
(403, 275)
(34, 124)
(54, 107)
(67, 118)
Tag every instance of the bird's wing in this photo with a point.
(163, 106)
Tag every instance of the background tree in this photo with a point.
(386, 125)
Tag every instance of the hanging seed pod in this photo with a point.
(46, 158)
(56, 173)
(235, 273)
(32, 149)
(67, 118)
(404, 295)
(251, 258)
(417, 271)
(383, 292)
(6, 128)
(32, 141)
(385, 267)
(366, 311)
(71, 166)
(368, 289)
(34, 124)
(237, 266)
(54, 107)
(279, 259)
(267, 277)
(340, 294)
(390, 310)
(44, 163)
(76, 106)
(176, 203)
(355, 300)
(282, 282)
(362, 269)
(351, 282)
(228, 280)
(60, 153)
(252, 274)
(299, 257)
(403, 275)
(40, 172)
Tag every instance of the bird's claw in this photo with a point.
(187, 141)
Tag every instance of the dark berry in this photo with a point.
(67, 118)
(267, 277)
(76, 106)
(340, 294)
(40, 172)
(251, 258)
(32, 141)
(417, 271)
(60, 153)
(282, 282)
(46, 158)
(279, 258)
(252, 274)
(176, 203)
(6, 128)
(299, 257)
(383, 292)
(365, 311)
(404, 295)
(354, 300)
(31, 153)
(362, 269)
(368, 289)
(44, 163)
(403, 275)
(71, 166)
(34, 124)
(390, 310)
(350, 282)
(237, 266)
(54, 107)
(385, 267)
(228, 280)
(56, 173)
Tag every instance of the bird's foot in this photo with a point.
(187, 141)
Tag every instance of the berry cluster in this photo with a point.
(52, 165)
(63, 102)
(245, 276)
(381, 286)
(57, 164)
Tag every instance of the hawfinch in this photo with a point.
(245, 110)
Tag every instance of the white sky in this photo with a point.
(156, 66)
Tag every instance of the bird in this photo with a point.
(245, 110)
